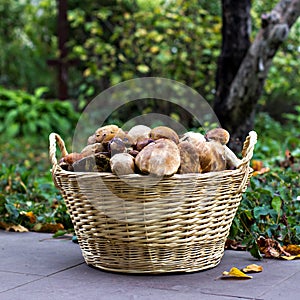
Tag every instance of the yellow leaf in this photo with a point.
(292, 249)
(235, 273)
(252, 269)
(292, 257)
(87, 72)
(154, 49)
(31, 216)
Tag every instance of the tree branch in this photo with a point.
(247, 86)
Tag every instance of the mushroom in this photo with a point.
(106, 133)
(92, 149)
(160, 158)
(194, 138)
(212, 156)
(122, 164)
(164, 132)
(139, 131)
(218, 134)
(222, 136)
(189, 158)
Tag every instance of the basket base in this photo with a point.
(156, 260)
(154, 272)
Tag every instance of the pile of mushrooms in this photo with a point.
(158, 151)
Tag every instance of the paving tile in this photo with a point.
(64, 287)
(288, 289)
(13, 280)
(35, 266)
(38, 254)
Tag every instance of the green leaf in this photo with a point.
(12, 210)
(143, 68)
(276, 204)
(59, 233)
(40, 91)
(254, 251)
(261, 211)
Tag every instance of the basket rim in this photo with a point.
(244, 167)
(57, 169)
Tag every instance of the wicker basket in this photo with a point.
(127, 224)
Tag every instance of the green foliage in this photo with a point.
(23, 192)
(123, 41)
(26, 115)
(271, 206)
(27, 38)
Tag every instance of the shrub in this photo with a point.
(26, 115)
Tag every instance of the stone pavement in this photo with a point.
(36, 266)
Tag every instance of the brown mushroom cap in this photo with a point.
(219, 135)
(164, 132)
(212, 157)
(189, 158)
(106, 133)
(160, 158)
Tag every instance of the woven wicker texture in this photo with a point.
(134, 224)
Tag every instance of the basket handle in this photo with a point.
(247, 154)
(248, 148)
(53, 139)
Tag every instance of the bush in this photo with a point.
(271, 204)
(30, 199)
(26, 115)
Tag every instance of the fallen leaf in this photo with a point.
(48, 228)
(257, 165)
(234, 245)
(271, 248)
(288, 161)
(292, 249)
(292, 257)
(252, 269)
(13, 227)
(235, 273)
(30, 215)
(261, 171)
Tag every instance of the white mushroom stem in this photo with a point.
(231, 159)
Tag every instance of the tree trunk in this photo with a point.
(239, 87)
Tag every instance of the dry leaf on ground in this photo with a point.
(235, 273)
(252, 269)
(292, 249)
(271, 248)
(13, 227)
(292, 257)
(49, 228)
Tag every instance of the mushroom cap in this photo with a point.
(189, 158)
(194, 138)
(160, 158)
(219, 135)
(106, 133)
(164, 132)
(139, 131)
(122, 164)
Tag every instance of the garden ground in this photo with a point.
(37, 266)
